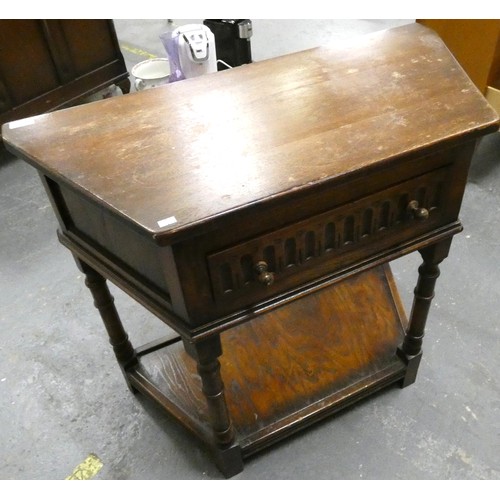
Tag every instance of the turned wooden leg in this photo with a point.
(411, 349)
(227, 453)
(104, 302)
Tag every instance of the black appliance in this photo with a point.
(232, 41)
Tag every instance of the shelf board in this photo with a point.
(292, 366)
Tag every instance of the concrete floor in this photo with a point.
(62, 395)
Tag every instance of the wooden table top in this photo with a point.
(171, 158)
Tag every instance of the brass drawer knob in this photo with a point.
(419, 213)
(263, 275)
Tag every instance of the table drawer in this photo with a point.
(257, 268)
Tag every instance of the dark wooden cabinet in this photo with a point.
(49, 64)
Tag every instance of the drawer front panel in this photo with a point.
(291, 256)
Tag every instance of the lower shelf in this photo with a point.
(291, 366)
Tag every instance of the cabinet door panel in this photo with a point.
(26, 66)
(89, 43)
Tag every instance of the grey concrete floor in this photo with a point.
(62, 395)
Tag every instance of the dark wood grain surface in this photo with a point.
(196, 149)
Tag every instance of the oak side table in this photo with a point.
(256, 211)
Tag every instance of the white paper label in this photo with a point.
(21, 123)
(167, 222)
